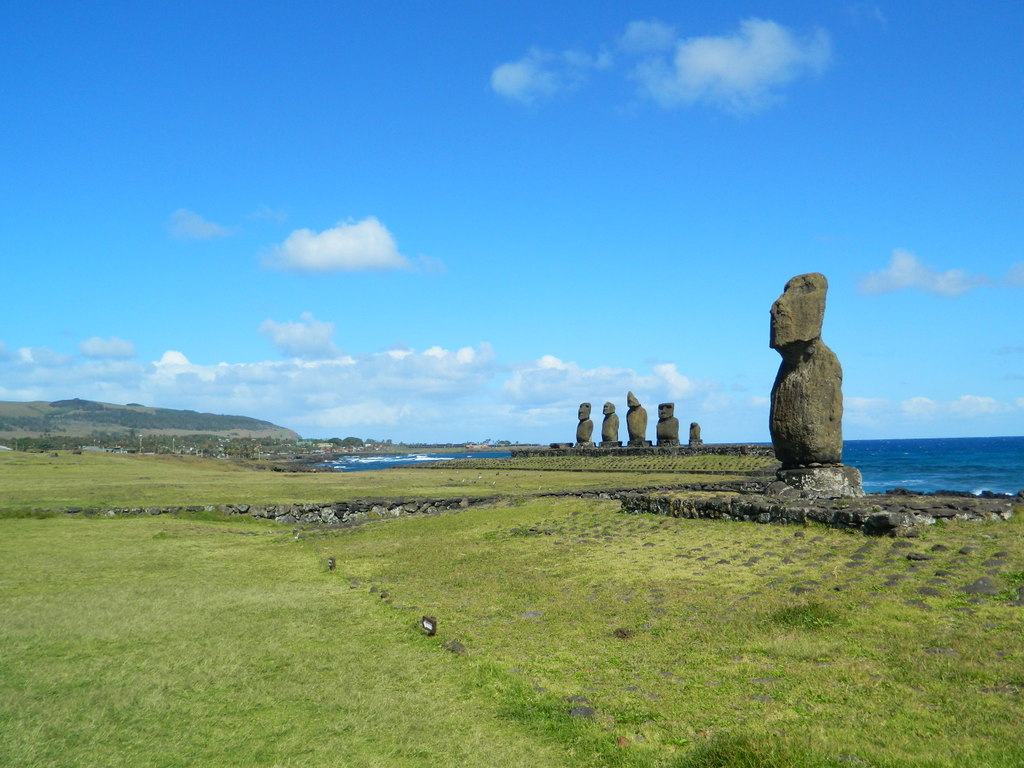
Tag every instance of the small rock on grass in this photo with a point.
(584, 712)
(983, 586)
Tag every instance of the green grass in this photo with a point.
(167, 642)
(173, 641)
(208, 641)
(43, 482)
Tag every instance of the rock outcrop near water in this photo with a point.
(807, 398)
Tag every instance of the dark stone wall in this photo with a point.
(882, 514)
(324, 513)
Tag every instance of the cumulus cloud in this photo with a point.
(42, 356)
(965, 406)
(309, 338)
(906, 271)
(264, 211)
(1015, 275)
(741, 72)
(553, 382)
(112, 347)
(349, 247)
(643, 37)
(541, 74)
(189, 225)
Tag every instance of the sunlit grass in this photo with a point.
(46, 482)
(197, 640)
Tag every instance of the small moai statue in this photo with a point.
(695, 440)
(585, 429)
(636, 421)
(610, 427)
(668, 424)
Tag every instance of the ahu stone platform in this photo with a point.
(723, 449)
(893, 514)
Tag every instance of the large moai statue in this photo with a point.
(585, 429)
(668, 424)
(695, 441)
(610, 427)
(807, 398)
(636, 421)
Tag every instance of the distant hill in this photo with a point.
(86, 417)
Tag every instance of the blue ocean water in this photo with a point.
(973, 464)
(357, 463)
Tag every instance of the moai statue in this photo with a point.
(585, 429)
(807, 399)
(668, 424)
(610, 427)
(695, 440)
(636, 421)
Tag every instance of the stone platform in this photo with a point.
(705, 449)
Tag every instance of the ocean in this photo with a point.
(973, 464)
(356, 463)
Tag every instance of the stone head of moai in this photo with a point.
(609, 408)
(797, 314)
(584, 411)
(666, 410)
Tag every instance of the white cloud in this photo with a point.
(188, 225)
(42, 356)
(550, 381)
(541, 74)
(647, 37)
(741, 72)
(112, 347)
(264, 211)
(310, 338)
(906, 271)
(964, 407)
(861, 13)
(348, 247)
(971, 406)
(1015, 275)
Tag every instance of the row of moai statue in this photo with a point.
(666, 431)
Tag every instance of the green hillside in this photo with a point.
(85, 417)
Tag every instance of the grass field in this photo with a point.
(174, 641)
(42, 481)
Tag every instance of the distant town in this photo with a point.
(212, 446)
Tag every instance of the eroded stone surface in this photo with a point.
(610, 425)
(668, 424)
(807, 400)
(585, 428)
(636, 421)
(695, 435)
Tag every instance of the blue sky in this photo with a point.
(455, 221)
